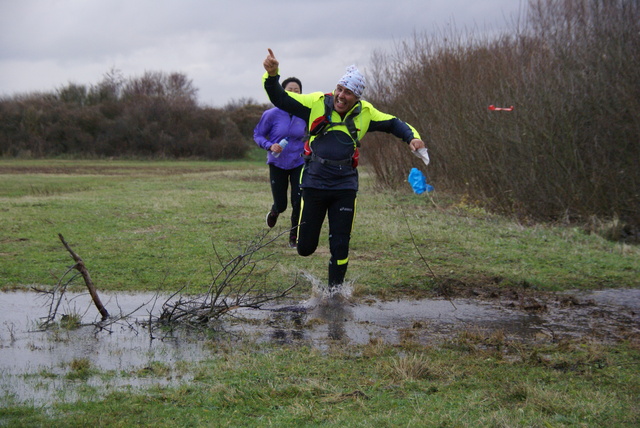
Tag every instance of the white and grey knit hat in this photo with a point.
(353, 80)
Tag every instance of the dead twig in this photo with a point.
(54, 306)
(236, 285)
(80, 266)
(443, 290)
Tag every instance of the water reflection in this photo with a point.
(288, 324)
(129, 347)
(335, 312)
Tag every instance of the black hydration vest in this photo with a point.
(323, 123)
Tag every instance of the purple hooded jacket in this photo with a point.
(275, 125)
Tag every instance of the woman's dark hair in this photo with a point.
(288, 80)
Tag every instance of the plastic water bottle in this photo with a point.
(283, 143)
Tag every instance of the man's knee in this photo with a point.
(339, 246)
(305, 249)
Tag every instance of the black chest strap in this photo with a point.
(348, 121)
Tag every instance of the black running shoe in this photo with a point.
(292, 242)
(272, 218)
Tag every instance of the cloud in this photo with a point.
(45, 44)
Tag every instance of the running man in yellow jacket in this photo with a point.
(329, 181)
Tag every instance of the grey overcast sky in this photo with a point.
(219, 44)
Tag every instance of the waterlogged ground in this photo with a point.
(35, 366)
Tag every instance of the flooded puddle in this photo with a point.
(33, 364)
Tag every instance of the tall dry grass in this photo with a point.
(569, 150)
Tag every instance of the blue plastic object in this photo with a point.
(418, 181)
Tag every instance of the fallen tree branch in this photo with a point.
(54, 306)
(240, 283)
(236, 285)
(80, 266)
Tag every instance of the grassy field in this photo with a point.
(154, 226)
(459, 386)
(147, 226)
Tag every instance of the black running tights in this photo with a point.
(340, 207)
(280, 180)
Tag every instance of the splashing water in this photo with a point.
(321, 293)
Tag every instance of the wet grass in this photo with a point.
(463, 384)
(154, 225)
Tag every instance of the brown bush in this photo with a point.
(154, 116)
(569, 150)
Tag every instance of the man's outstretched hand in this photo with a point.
(271, 64)
(416, 144)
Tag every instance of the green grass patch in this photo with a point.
(146, 226)
(154, 226)
(375, 385)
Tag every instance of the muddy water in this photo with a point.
(33, 364)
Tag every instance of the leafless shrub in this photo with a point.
(567, 151)
(240, 283)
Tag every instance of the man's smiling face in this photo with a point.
(343, 99)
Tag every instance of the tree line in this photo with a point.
(155, 115)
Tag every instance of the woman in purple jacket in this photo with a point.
(282, 135)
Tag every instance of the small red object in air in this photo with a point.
(494, 108)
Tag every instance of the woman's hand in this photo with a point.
(275, 148)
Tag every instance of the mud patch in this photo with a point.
(34, 364)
